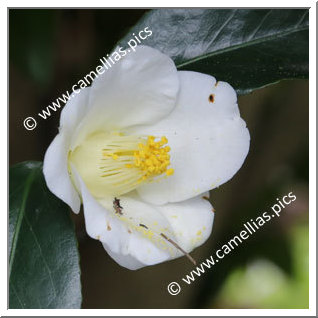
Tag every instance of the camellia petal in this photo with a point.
(101, 224)
(74, 111)
(55, 167)
(127, 261)
(208, 140)
(144, 225)
(139, 235)
(187, 223)
(141, 88)
(124, 237)
(191, 220)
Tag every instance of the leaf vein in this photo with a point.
(41, 253)
(15, 292)
(222, 27)
(301, 19)
(20, 219)
(260, 24)
(238, 46)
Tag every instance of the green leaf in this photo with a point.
(249, 48)
(43, 258)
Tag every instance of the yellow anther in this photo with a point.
(128, 161)
(152, 158)
(164, 139)
(170, 172)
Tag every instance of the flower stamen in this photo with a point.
(152, 158)
(128, 161)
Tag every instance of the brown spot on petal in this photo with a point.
(108, 227)
(117, 207)
(211, 98)
(129, 231)
(205, 198)
(213, 210)
(216, 83)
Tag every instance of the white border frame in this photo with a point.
(312, 160)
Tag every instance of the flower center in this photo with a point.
(128, 161)
(114, 164)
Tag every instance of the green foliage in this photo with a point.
(44, 262)
(264, 285)
(249, 48)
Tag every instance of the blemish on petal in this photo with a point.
(205, 198)
(211, 98)
(108, 227)
(216, 83)
(129, 231)
(213, 210)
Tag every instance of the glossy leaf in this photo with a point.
(43, 258)
(249, 48)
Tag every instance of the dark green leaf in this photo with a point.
(249, 48)
(43, 258)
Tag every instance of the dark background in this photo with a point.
(50, 50)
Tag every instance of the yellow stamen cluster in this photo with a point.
(152, 158)
(127, 161)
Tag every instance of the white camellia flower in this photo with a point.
(140, 149)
